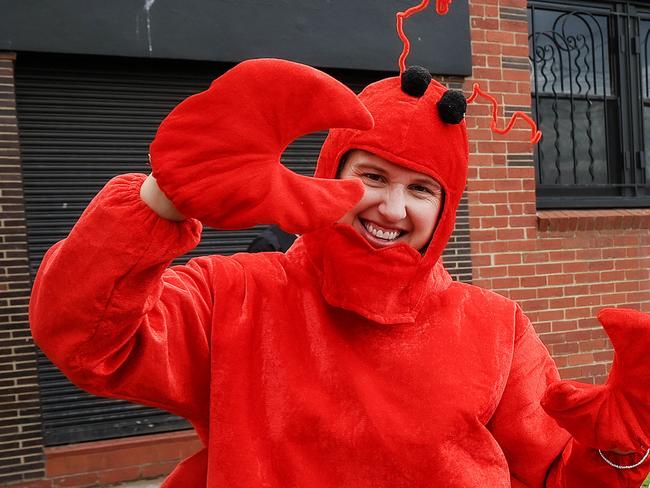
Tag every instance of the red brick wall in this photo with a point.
(21, 449)
(562, 267)
(104, 463)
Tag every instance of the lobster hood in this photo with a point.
(388, 284)
(410, 132)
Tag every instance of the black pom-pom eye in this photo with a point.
(452, 107)
(415, 81)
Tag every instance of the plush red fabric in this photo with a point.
(217, 154)
(615, 415)
(409, 132)
(286, 389)
(335, 365)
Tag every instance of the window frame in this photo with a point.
(625, 66)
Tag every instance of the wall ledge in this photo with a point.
(585, 220)
(126, 458)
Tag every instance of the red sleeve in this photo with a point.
(539, 452)
(110, 314)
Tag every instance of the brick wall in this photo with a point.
(106, 462)
(103, 463)
(561, 266)
(21, 449)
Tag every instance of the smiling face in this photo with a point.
(399, 204)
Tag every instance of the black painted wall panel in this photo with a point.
(323, 33)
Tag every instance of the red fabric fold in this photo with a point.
(217, 154)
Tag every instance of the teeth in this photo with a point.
(386, 235)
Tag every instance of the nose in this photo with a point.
(393, 205)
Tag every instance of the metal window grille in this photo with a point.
(591, 98)
(645, 77)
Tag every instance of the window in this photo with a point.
(590, 80)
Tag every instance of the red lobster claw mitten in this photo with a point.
(217, 154)
(616, 415)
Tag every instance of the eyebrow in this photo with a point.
(371, 166)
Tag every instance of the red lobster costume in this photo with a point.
(337, 364)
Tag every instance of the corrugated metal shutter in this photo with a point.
(83, 120)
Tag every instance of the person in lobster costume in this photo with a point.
(353, 360)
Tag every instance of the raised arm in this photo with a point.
(104, 307)
(540, 453)
(107, 311)
(157, 201)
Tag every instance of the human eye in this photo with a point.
(426, 191)
(423, 189)
(374, 177)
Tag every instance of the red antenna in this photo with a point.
(535, 135)
(442, 7)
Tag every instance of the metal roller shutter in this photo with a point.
(83, 120)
